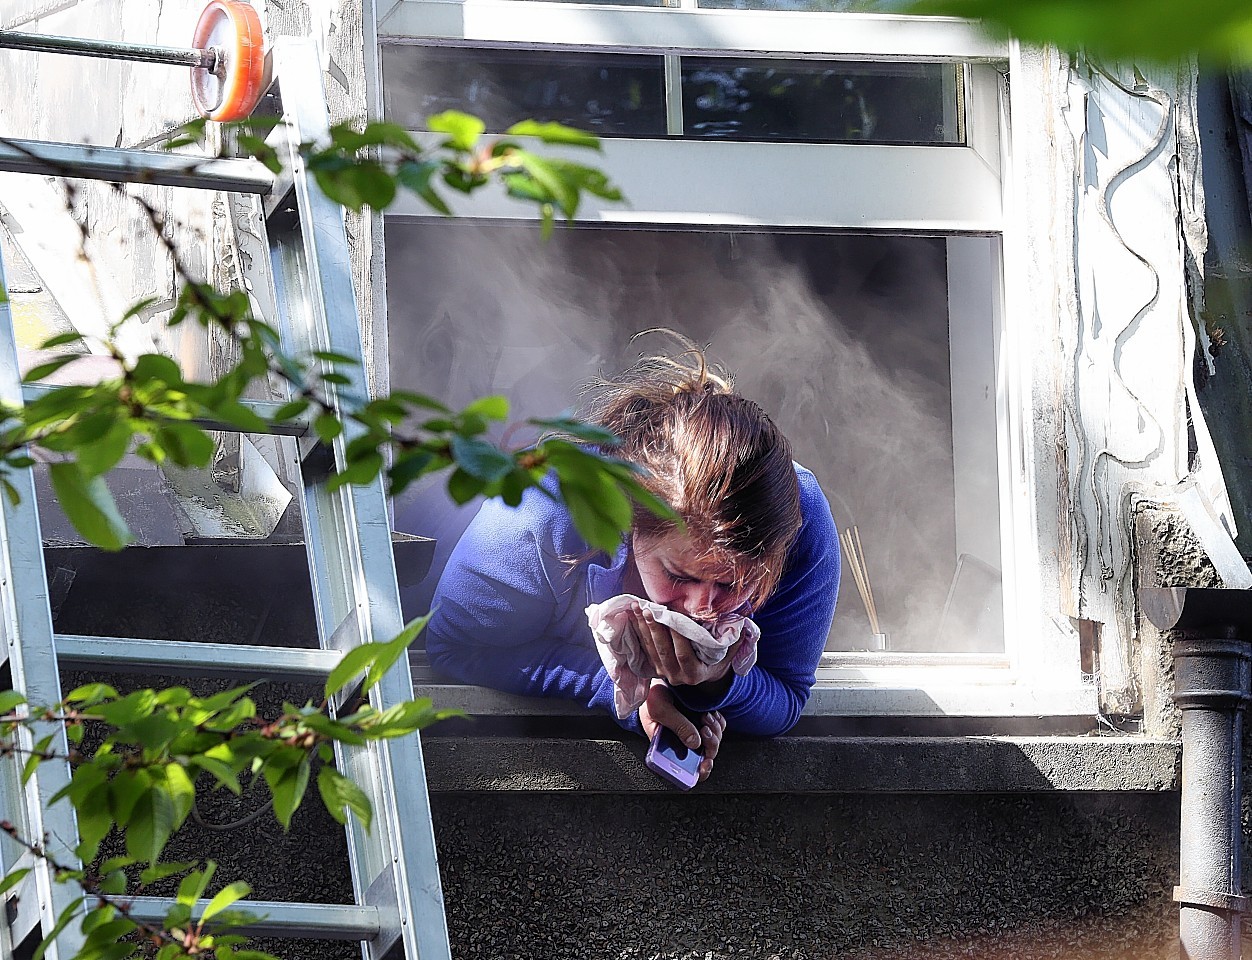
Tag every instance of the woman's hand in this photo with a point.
(659, 710)
(672, 655)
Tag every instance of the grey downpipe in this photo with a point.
(1210, 685)
(1212, 670)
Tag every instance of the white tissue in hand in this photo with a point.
(628, 665)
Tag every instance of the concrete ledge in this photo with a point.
(814, 765)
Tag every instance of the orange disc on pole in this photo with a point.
(234, 87)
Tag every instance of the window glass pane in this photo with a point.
(811, 100)
(813, 6)
(618, 3)
(844, 339)
(610, 94)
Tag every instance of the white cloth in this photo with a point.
(627, 663)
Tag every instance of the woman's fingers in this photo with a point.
(663, 711)
(658, 643)
(711, 731)
(672, 655)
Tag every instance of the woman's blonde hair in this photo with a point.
(714, 456)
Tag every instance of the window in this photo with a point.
(821, 196)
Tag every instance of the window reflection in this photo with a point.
(799, 100)
(725, 98)
(619, 95)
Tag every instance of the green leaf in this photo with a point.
(480, 459)
(47, 369)
(159, 871)
(463, 487)
(222, 772)
(89, 506)
(238, 415)
(103, 454)
(156, 367)
(186, 444)
(90, 693)
(553, 178)
(127, 709)
(354, 662)
(63, 921)
(151, 823)
(291, 409)
(328, 427)
(339, 792)
(224, 898)
(10, 700)
(412, 399)
(287, 786)
(181, 789)
(260, 150)
(489, 408)
(376, 658)
(16, 877)
(11, 492)
(334, 358)
(353, 183)
(463, 129)
(104, 936)
(194, 884)
(61, 340)
(1163, 32)
(363, 470)
(409, 467)
(417, 176)
(554, 133)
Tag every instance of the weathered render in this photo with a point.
(858, 836)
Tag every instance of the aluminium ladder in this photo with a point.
(399, 905)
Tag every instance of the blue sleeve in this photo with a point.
(794, 621)
(503, 612)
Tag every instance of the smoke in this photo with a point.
(843, 339)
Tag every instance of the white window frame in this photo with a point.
(964, 192)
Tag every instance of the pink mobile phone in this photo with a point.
(673, 760)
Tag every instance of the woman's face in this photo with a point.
(677, 574)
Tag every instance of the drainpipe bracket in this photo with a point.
(1211, 898)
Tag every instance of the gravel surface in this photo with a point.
(803, 878)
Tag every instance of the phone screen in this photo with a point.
(673, 759)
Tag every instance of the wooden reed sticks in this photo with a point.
(854, 560)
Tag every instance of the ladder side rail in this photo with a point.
(28, 638)
(350, 541)
(297, 427)
(127, 165)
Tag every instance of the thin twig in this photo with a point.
(854, 556)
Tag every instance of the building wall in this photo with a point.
(605, 871)
(791, 876)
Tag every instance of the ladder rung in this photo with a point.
(322, 921)
(120, 165)
(187, 658)
(262, 408)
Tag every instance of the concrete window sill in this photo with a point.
(813, 764)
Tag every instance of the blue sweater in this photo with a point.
(509, 613)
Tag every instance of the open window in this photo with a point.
(821, 197)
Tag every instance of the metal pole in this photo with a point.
(1211, 677)
(148, 53)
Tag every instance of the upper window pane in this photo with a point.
(815, 100)
(725, 98)
(616, 95)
